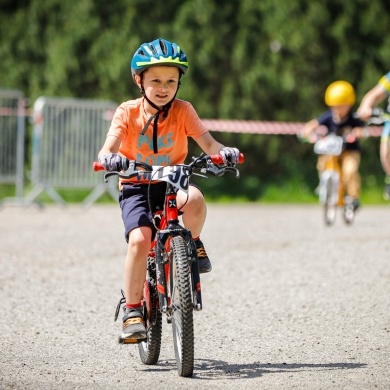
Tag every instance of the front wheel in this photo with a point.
(330, 205)
(182, 306)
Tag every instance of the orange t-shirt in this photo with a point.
(172, 133)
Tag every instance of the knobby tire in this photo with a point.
(330, 208)
(182, 315)
(348, 213)
(149, 350)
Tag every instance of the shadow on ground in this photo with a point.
(214, 369)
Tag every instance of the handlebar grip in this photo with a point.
(97, 166)
(217, 159)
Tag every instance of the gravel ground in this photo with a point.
(290, 303)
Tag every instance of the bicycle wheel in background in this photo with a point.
(330, 206)
(149, 350)
(182, 306)
(348, 210)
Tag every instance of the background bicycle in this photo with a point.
(331, 190)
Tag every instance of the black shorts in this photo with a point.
(133, 200)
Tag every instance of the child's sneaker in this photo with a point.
(203, 259)
(355, 204)
(133, 325)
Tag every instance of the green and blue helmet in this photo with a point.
(160, 52)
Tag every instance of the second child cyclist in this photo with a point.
(155, 129)
(340, 97)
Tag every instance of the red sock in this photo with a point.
(196, 238)
(133, 305)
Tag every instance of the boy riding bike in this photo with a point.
(373, 97)
(340, 98)
(154, 129)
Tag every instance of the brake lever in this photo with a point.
(127, 174)
(122, 175)
(129, 171)
(108, 174)
(214, 169)
(200, 175)
(234, 170)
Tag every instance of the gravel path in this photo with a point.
(290, 304)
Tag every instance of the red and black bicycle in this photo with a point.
(172, 286)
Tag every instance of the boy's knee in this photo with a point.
(140, 238)
(198, 199)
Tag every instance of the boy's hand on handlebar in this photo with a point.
(112, 162)
(229, 155)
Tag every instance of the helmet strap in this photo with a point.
(164, 110)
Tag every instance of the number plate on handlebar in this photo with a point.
(331, 145)
(177, 175)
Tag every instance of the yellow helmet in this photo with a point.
(340, 93)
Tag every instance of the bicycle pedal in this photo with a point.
(121, 340)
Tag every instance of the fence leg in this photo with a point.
(97, 193)
(38, 189)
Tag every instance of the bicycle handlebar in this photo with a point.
(215, 159)
(378, 117)
(203, 164)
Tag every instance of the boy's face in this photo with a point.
(340, 112)
(160, 83)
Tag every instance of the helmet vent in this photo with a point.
(163, 47)
(153, 49)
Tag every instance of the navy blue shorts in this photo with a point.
(133, 200)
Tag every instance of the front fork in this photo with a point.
(163, 266)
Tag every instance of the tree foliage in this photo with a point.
(259, 60)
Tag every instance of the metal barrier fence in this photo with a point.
(12, 138)
(68, 133)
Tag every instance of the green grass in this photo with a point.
(7, 190)
(287, 193)
(69, 195)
